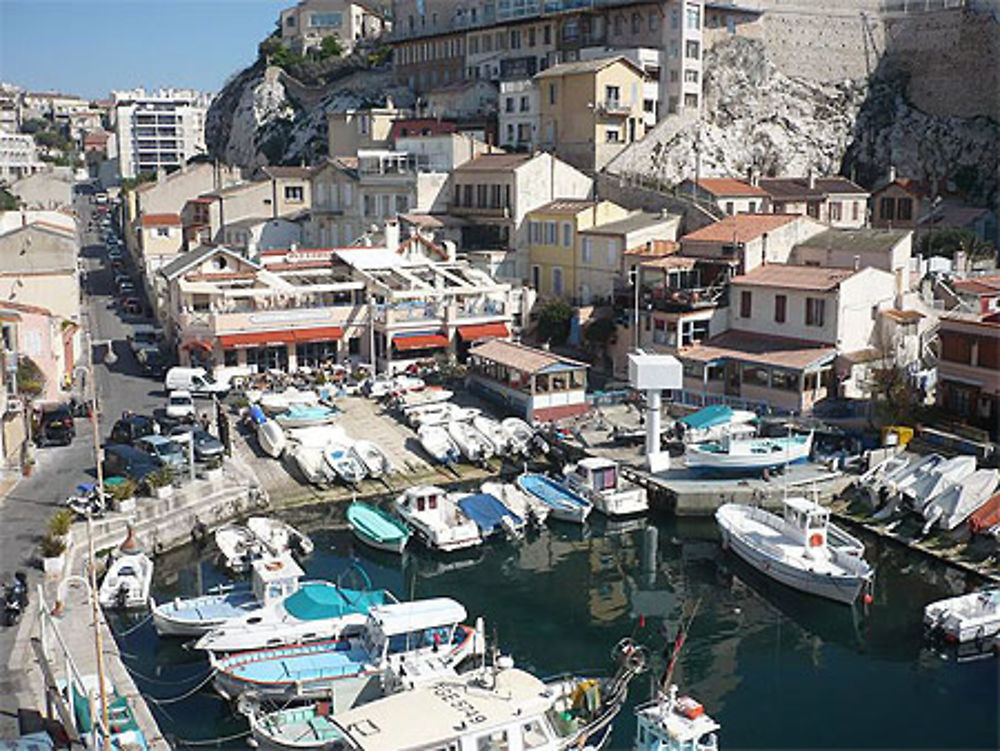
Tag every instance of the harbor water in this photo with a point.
(776, 668)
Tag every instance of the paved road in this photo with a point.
(26, 510)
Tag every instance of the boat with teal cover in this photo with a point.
(376, 528)
(305, 415)
(566, 504)
(748, 456)
(305, 726)
(491, 515)
(418, 638)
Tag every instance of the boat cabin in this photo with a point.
(410, 626)
(596, 474)
(808, 521)
(675, 724)
(275, 578)
(423, 499)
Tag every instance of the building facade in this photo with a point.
(158, 130)
(305, 25)
(968, 385)
(18, 156)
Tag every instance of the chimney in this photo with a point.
(892, 173)
(857, 263)
(812, 180)
(754, 178)
(392, 234)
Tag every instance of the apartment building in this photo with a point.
(515, 39)
(18, 156)
(729, 195)
(835, 201)
(352, 130)
(611, 251)
(305, 25)
(967, 382)
(590, 110)
(158, 130)
(518, 115)
(52, 105)
(889, 250)
(493, 194)
(161, 237)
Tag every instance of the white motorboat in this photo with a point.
(955, 504)
(374, 459)
(430, 414)
(281, 401)
(747, 456)
(493, 431)
(411, 399)
(437, 443)
(897, 487)
(317, 436)
(271, 437)
(564, 503)
(523, 504)
(305, 416)
(341, 460)
(126, 584)
(947, 473)
(239, 547)
(599, 480)
(715, 422)
(271, 580)
(384, 385)
(869, 480)
(473, 444)
(672, 723)
(437, 519)
(793, 549)
(519, 435)
(310, 463)
(313, 612)
(279, 537)
(970, 617)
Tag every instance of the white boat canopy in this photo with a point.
(406, 617)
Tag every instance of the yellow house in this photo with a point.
(590, 110)
(554, 244)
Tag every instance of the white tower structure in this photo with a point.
(653, 374)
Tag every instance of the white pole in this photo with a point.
(652, 422)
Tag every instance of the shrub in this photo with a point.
(160, 478)
(30, 378)
(52, 546)
(60, 523)
(121, 491)
(554, 322)
(214, 463)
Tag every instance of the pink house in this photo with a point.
(48, 340)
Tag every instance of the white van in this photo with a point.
(196, 380)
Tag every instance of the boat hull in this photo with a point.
(563, 509)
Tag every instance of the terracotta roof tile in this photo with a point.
(654, 248)
(160, 220)
(815, 278)
(764, 349)
(421, 127)
(740, 228)
(520, 357)
(494, 162)
(903, 316)
(729, 186)
(980, 285)
(565, 206)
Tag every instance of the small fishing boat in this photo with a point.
(564, 504)
(409, 400)
(196, 616)
(986, 516)
(715, 422)
(279, 537)
(310, 462)
(317, 436)
(525, 505)
(126, 584)
(493, 431)
(520, 435)
(438, 444)
(375, 460)
(384, 385)
(599, 480)
(376, 528)
(342, 461)
(275, 402)
(747, 456)
(307, 612)
(793, 549)
(420, 636)
(491, 516)
(473, 444)
(947, 473)
(671, 723)
(869, 480)
(305, 416)
(239, 547)
(431, 414)
(897, 488)
(271, 437)
(955, 504)
(970, 617)
(437, 519)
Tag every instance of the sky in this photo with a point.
(89, 47)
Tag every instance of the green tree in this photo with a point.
(30, 378)
(8, 201)
(554, 322)
(330, 47)
(946, 242)
(34, 125)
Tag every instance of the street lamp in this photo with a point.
(633, 276)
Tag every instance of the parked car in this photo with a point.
(180, 404)
(55, 426)
(163, 449)
(115, 254)
(126, 289)
(144, 336)
(127, 461)
(152, 362)
(195, 381)
(133, 306)
(129, 429)
(206, 445)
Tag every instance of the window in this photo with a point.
(510, 133)
(751, 375)
(567, 234)
(612, 135)
(654, 20)
(636, 23)
(674, 52)
(730, 208)
(325, 20)
(509, 104)
(815, 309)
(836, 211)
(495, 741)
(523, 135)
(402, 204)
(552, 93)
(674, 76)
(690, 76)
(547, 34)
(525, 104)
(481, 196)
(887, 208)
(746, 303)
(585, 250)
(675, 19)
(534, 233)
(854, 210)
(294, 193)
(785, 380)
(473, 45)
(531, 37)
(692, 49)
(163, 231)
(812, 209)
(904, 209)
(533, 735)
(551, 233)
(515, 39)
(612, 96)
(557, 281)
(780, 306)
(290, 21)
(487, 43)
(690, 100)
(571, 30)
(618, 25)
(956, 348)
(536, 275)
(693, 17)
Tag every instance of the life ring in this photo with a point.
(815, 540)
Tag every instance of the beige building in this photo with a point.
(589, 111)
(161, 237)
(835, 201)
(353, 130)
(305, 25)
(729, 195)
(886, 249)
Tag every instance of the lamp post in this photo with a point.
(634, 277)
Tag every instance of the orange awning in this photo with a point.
(277, 338)
(322, 334)
(419, 341)
(484, 331)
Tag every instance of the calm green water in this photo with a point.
(775, 668)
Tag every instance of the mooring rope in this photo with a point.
(134, 628)
(212, 741)
(136, 674)
(183, 696)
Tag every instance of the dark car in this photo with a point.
(206, 445)
(55, 426)
(152, 362)
(130, 429)
(128, 461)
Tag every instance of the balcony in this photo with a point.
(613, 108)
(495, 212)
(195, 324)
(694, 298)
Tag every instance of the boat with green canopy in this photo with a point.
(376, 528)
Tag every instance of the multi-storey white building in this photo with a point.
(518, 118)
(159, 129)
(18, 156)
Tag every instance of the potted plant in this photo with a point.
(60, 525)
(28, 466)
(161, 482)
(53, 555)
(122, 493)
(213, 470)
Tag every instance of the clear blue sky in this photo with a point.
(90, 47)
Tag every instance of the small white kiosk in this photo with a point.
(654, 374)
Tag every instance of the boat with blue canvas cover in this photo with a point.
(491, 515)
(376, 528)
(305, 415)
(424, 638)
(565, 504)
(315, 611)
(736, 456)
(715, 421)
(271, 580)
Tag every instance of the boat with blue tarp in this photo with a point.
(491, 515)
(565, 504)
(420, 639)
(714, 422)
